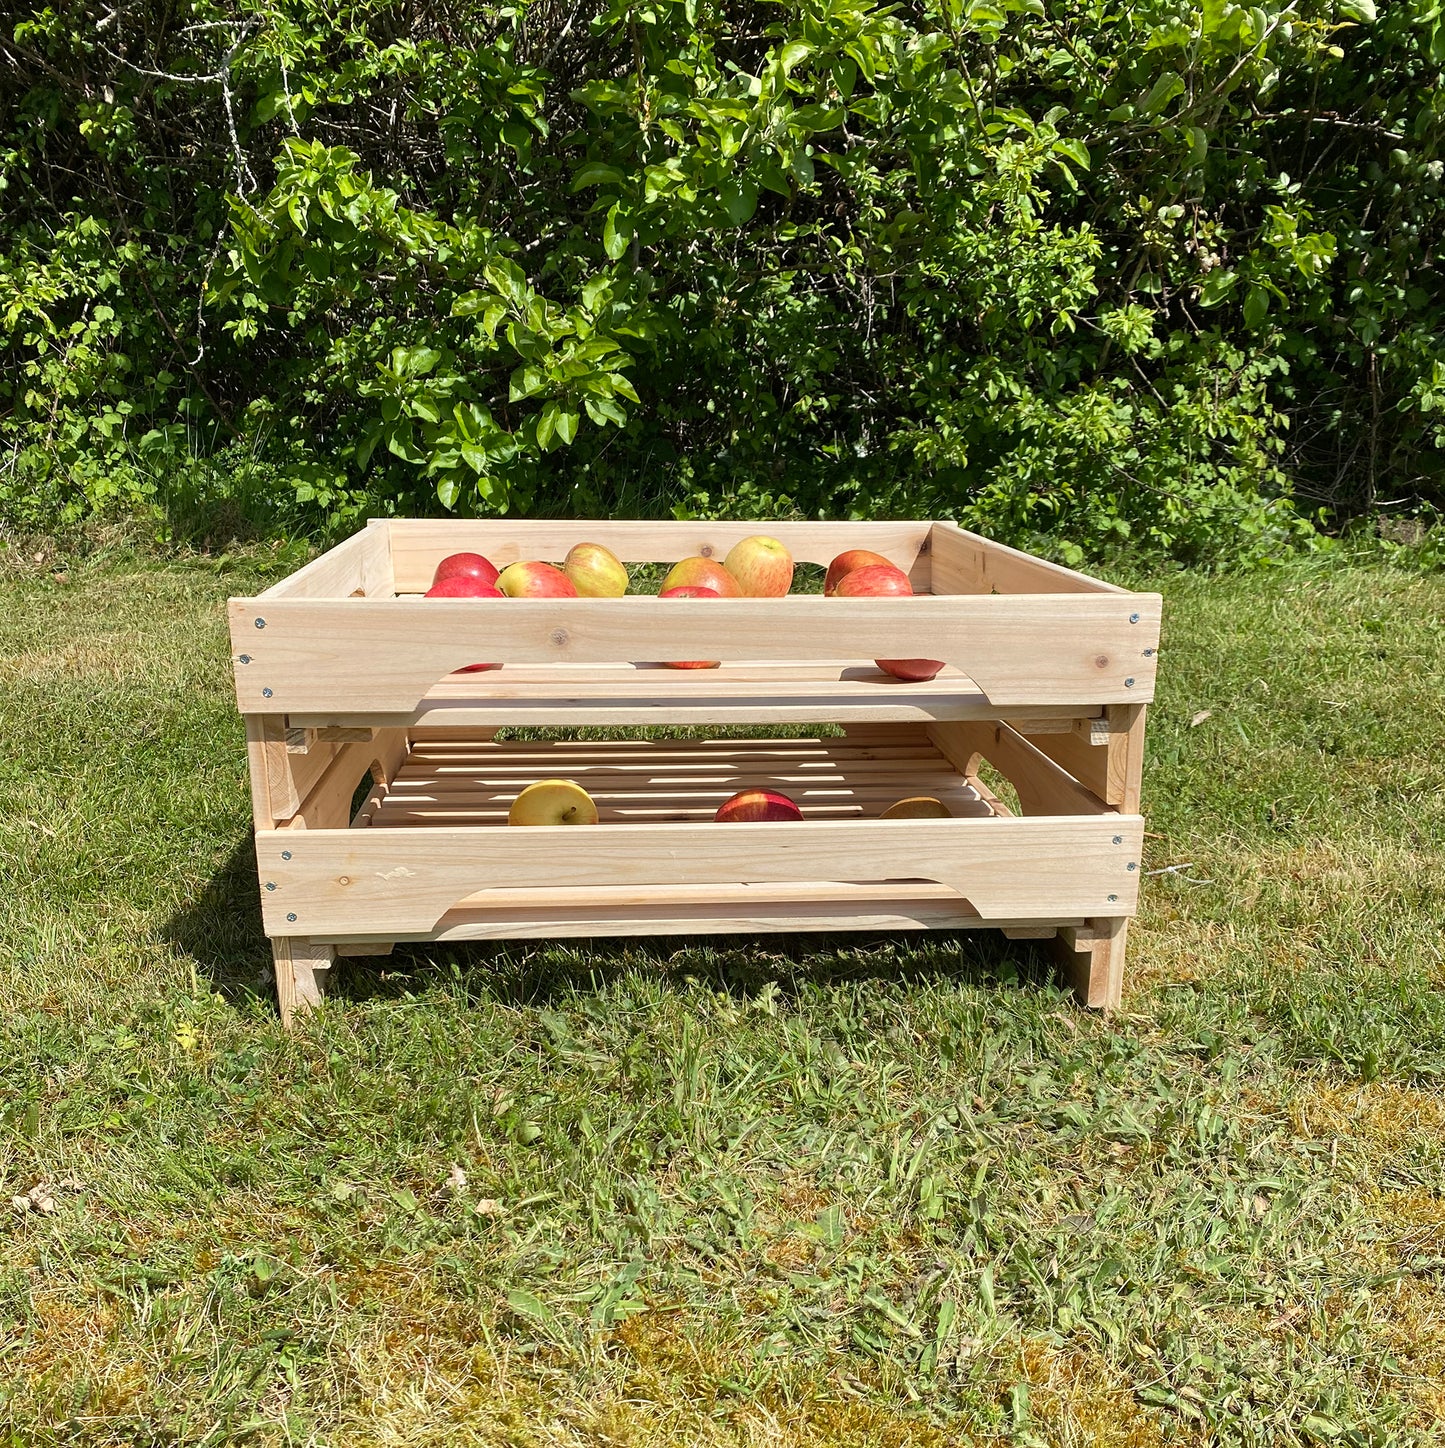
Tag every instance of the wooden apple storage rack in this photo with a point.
(343, 670)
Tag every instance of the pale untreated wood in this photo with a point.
(356, 656)
(1043, 787)
(298, 962)
(337, 573)
(1125, 754)
(1091, 958)
(418, 545)
(1087, 762)
(290, 775)
(385, 882)
(963, 562)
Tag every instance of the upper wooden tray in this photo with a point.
(343, 639)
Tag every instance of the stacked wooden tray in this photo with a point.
(343, 670)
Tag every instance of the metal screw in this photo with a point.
(292, 917)
(266, 693)
(1148, 653)
(260, 623)
(1128, 683)
(1113, 897)
(245, 658)
(1133, 864)
(1118, 839)
(270, 884)
(286, 854)
(1133, 618)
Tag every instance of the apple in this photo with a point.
(846, 562)
(749, 806)
(917, 807)
(461, 585)
(595, 571)
(535, 580)
(698, 572)
(476, 668)
(762, 567)
(872, 579)
(877, 579)
(465, 565)
(553, 802)
(690, 592)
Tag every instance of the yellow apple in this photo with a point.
(595, 571)
(917, 807)
(761, 565)
(553, 802)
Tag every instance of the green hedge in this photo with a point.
(1157, 274)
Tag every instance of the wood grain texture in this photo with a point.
(964, 562)
(353, 657)
(401, 881)
(419, 544)
(1043, 787)
(1091, 959)
(298, 964)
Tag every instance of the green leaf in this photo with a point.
(414, 361)
(566, 425)
(617, 234)
(597, 173)
(1076, 151)
(525, 1304)
(547, 425)
(526, 382)
(1165, 89)
(509, 279)
(1217, 286)
(793, 53)
(739, 199)
(1361, 10)
(1256, 305)
(596, 292)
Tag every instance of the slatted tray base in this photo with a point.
(451, 781)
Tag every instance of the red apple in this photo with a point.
(845, 563)
(871, 579)
(875, 579)
(762, 567)
(476, 668)
(535, 580)
(595, 571)
(698, 572)
(689, 592)
(465, 565)
(460, 585)
(748, 806)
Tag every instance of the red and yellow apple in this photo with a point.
(535, 580)
(553, 802)
(876, 580)
(750, 806)
(699, 572)
(761, 565)
(595, 571)
(845, 563)
(691, 592)
(465, 565)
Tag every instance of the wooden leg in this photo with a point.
(1092, 960)
(297, 962)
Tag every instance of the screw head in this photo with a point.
(244, 659)
(1118, 839)
(1133, 618)
(1133, 864)
(270, 884)
(1113, 897)
(265, 693)
(1148, 653)
(260, 623)
(285, 854)
(1128, 683)
(293, 917)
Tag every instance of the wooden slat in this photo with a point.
(1087, 762)
(1126, 754)
(362, 882)
(418, 545)
(1091, 957)
(340, 659)
(337, 573)
(964, 562)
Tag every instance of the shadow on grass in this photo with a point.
(542, 972)
(220, 929)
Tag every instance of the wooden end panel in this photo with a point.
(364, 657)
(388, 883)
(419, 544)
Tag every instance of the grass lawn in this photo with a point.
(776, 1192)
